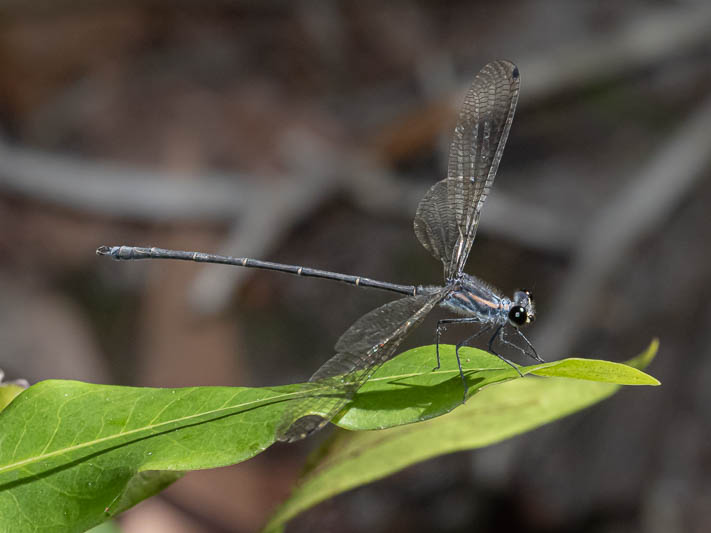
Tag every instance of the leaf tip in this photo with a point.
(643, 360)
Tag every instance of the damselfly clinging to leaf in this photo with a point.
(445, 223)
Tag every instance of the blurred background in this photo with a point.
(306, 132)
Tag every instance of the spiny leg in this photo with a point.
(499, 334)
(534, 353)
(459, 361)
(503, 339)
(441, 328)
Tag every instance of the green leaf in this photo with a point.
(594, 370)
(492, 415)
(83, 452)
(106, 527)
(405, 389)
(8, 391)
(144, 485)
(644, 359)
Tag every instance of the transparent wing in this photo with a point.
(448, 215)
(367, 344)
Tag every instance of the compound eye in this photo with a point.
(522, 297)
(517, 315)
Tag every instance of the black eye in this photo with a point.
(517, 315)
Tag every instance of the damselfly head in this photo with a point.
(522, 310)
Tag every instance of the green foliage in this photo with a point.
(494, 414)
(106, 527)
(82, 453)
(8, 391)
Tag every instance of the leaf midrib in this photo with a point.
(146, 429)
